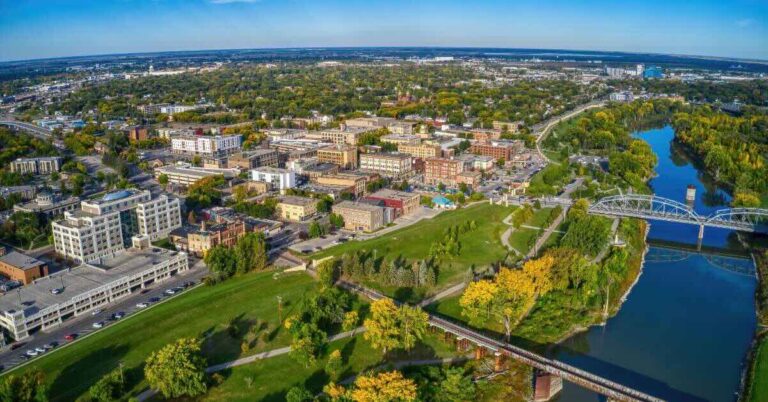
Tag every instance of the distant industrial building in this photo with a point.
(296, 209)
(342, 155)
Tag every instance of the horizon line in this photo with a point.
(720, 58)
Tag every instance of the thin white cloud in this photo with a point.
(744, 23)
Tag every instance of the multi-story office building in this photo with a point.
(48, 204)
(218, 145)
(355, 183)
(186, 175)
(279, 178)
(84, 237)
(420, 150)
(296, 209)
(389, 165)
(342, 155)
(253, 159)
(398, 139)
(442, 170)
(340, 136)
(158, 217)
(106, 226)
(43, 165)
(508, 126)
(360, 216)
(374, 123)
(497, 149)
(402, 202)
(208, 236)
(138, 133)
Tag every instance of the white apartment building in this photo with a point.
(279, 178)
(85, 237)
(104, 227)
(206, 145)
(158, 217)
(44, 165)
(388, 165)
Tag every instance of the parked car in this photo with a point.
(70, 337)
(40, 349)
(118, 315)
(169, 292)
(56, 291)
(31, 352)
(154, 299)
(97, 311)
(142, 305)
(98, 324)
(49, 346)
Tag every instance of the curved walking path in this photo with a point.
(554, 121)
(149, 393)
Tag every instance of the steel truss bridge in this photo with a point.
(614, 391)
(664, 209)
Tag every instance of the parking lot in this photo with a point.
(84, 324)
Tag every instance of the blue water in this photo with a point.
(686, 327)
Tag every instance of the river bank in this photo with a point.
(755, 379)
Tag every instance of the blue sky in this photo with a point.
(52, 28)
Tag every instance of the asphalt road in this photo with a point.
(83, 324)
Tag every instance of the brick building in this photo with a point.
(442, 170)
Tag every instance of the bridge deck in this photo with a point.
(567, 372)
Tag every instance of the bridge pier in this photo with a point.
(701, 232)
(498, 364)
(480, 352)
(546, 386)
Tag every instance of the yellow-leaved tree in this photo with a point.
(383, 387)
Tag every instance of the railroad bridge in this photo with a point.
(665, 209)
(554, 368)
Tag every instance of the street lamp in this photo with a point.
(280, 308)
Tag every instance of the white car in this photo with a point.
(40, 349)
(32, 352)
(98, 325)
(170, 292)
(97, 311)
(142, 305)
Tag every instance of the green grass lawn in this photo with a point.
(204, 310)
(758, 387)
(479, 247)
(520, 239)
(539, 216)
(271, 378)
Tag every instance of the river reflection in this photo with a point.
(685, 329)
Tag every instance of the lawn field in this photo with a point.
(271, 378)
(539, 216)
(204, 311)
(479, 247)
(520, 239)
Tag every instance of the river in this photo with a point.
(685, 329)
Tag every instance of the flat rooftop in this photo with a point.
(81, 279)
(388, 193)
(357, 206)
(21, 261)
(293, 200)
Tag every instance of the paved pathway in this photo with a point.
(604, 251)
(551, 229)
(443, 294)
(149, 393)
